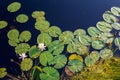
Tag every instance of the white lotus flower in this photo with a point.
(41, 46)
(22, 56)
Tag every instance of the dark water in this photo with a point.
(67, 14)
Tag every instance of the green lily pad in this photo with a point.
(54, 31)
(82, 50)
(109, 18)
(93, 31)
(71, 48)
(95, 55)
(117, 41)
(89, 61)
(75, 65)
(13, 35)
(44, 38)
(22, 18)
(37, 14)
(3, 72)
(3, 24)
(45, 58)
(106, 53)
(49, 73)
(22, 48)
(41, 18)
(66, 37)
(34, 52)
(12, 43)
(79, 32)
(85, 39)
(25, 36)
(104, 26)
(59, 61)
(98, 44)
(26, 64)
(42, 25)
(56, 47)
(116, 26)
(13, 7)
(116, 11)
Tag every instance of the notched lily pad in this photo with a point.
(116, 26)
(115, 10)
(37, 14)
(22, 18)
(89, 61)
(85, 40)
(71, 48)
(98, 44)
(3, 24)
(3, 72)
(12, 43)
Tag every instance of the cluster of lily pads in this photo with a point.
(57, 50)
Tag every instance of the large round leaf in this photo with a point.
(3, 72)
(115, 11)
(25, 36)
(104, 26)
(66, 37)
(85, 39)
(75, 65)
(26, 64)
(22, 18)
(45, 58)
(44, 38)
(79, 32)
(71, 48)
(116, 26)
(49, 73)
(37, 14)
(12, 43)
(54, 31)
(59, 61)
(22, 48)
(106, 53)
(98, 44)
(3, 24)
(89, 60)
(56, 47)
(13, 7)
(82, 50)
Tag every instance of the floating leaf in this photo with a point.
(42, 25)
(79, 32)
(22, 18)
(54, 31)
(66, 37)
(13, 7)
(115, 11)
(95, 55)
(85, 40)
(26, 64)
(25, 36)
(117, 41)
(13, 35)
(3, 24)
(82, 50)
(106, 53)
(3, 72)
(34, 52)
(89, 60)
(93, 31)
(98, 44)
(59, 61)
(40, 19)
(75, 56)
(22, 48)
(45, 58)
(71, 48)
(109, 18)
(116, 26)
(49, 73)
(104, 26)
(75, 65)
(37, 14)
(56, 47)
(44, 38)
(12, 43)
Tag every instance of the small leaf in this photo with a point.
(115, 11)
(79, 32)
(75, 56)
(85, 40)
(12, 43)
(37, 14)
(71, 48)
(3, 72)
(22, 18)
(116, 26)
(44, 38)
(89, 61)
(49, 73)
(82, 50)
(98, 44)
(95, 55)
(117, 41)
(3, 24)
(26, 64)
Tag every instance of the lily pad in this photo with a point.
(3, 72)
(44, 38)
(93, 31)
(37, 14)
(116, 11)
(56, 47)
(104, 26)
(26, 64)
(79, 32)
(34, 52)
(71, 48)
(109, 18)
(98, 44)
(59, 61)
(54, 31)
(42, 25)
(75, 65)
(95, 55)
(75, 56)
(116, 26)
(25, 36)
(12, 43)
(22, 18)
(117, 41)
(45, 58)
(3, 24)
(66, 37)
(49, 73)
(22, 48)
(85, 39)
(106, 53)
(13, 7)
(89, 61)
(82, 50)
